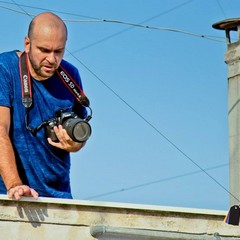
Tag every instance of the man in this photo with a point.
(33, 165)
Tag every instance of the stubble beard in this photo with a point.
(37, 68)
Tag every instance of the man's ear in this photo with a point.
(26, 44)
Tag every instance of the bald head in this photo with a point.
(45, 44)
(46, 22)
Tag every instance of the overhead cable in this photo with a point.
(126, 23)
(132, 27)
(154, 182)
(154, 127)
(46, 9)
(222, 10)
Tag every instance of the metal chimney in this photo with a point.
(232, 59)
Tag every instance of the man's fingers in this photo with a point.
(15, 193)
(20, 191)
(34, 194)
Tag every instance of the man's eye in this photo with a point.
(58, 51)
(45, 51)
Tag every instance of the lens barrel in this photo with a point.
(79, 130)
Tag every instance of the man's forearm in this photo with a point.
(8, 168)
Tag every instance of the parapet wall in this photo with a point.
(59, 219)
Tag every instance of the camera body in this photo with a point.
(78, 129)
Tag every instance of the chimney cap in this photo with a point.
(228, 24)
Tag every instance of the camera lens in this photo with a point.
(78, 129)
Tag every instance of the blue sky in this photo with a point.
(159, 97)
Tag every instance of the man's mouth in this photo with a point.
(48, 68)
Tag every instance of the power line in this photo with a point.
(154, 182)
(130, 24)
(221, 8)
(45, 9)
(153, 127)
(131, 27)
(22, 9)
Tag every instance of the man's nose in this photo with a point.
(51, 57)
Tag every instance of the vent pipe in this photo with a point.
(232, 59)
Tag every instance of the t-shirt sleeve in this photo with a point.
(5, 87)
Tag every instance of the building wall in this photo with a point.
(59, 219)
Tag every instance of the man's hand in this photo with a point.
(65, 142)
(21, 191)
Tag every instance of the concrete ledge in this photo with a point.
(76, 219)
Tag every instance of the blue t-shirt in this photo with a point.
(41, 166)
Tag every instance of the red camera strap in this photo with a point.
(72, 86)
(25, 81)
(62, 73)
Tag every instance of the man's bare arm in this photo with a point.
(8, 167)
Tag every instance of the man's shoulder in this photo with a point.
(7, 57)
(71, 70)
(68, 66)
(9, 53)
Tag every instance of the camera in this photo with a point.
(78, 129)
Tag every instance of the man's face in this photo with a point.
(45, 53)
